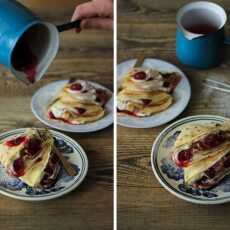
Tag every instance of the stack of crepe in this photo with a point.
(30, 157)
(78, 102)
(203, 151)
(145, 92)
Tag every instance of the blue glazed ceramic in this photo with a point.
(171, 177)
(200, 51)
(15, 188)
(15, 21)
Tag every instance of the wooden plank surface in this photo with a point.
(87, 56)
(149, 27)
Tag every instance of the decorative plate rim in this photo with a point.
(65, 128)
(158, 174)
(76, 182)
(121, 123)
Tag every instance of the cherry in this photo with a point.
(15, 142)
(18, 167)
(146, 101)
(140, 76)
(33, 147)
(76, 87)
(184, 156)
(80, 111)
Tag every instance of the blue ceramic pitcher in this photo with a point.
(200, 34)
(17, 21)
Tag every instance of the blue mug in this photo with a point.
(200, 35)
(17, 23)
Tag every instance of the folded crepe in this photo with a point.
(145, 92)
(78, 102)
(196, 142)
(208, 172)
(31, 158)
(203, 151)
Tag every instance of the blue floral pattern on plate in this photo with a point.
(72, 151)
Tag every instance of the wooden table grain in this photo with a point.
(149, 27)
(88, 56)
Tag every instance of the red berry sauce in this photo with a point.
(127, 112)
(15, 142)
(18, 168)
(24, 60)
(33, 147)
(51, 116)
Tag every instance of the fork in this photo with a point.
(217, 85)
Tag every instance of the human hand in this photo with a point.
(96, 14)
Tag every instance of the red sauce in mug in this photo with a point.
(24, 60)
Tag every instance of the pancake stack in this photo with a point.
(78, 102)
(203, 151)
(31, 157)
(144, 92)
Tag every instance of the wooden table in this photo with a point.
(149, 27)
(87, 56)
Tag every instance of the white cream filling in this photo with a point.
(58, 110)
(122, 105)
(147, 84)
(87, 93)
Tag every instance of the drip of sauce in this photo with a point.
(127, 112)
(24, 60)
(51, 116)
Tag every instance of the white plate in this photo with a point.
(15, 188)
(45, 95)
(181, 94)
(171, 177)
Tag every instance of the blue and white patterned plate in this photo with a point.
(43, 97)
(15, 188)
(171, 177)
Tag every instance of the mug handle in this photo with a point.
(227, 41)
